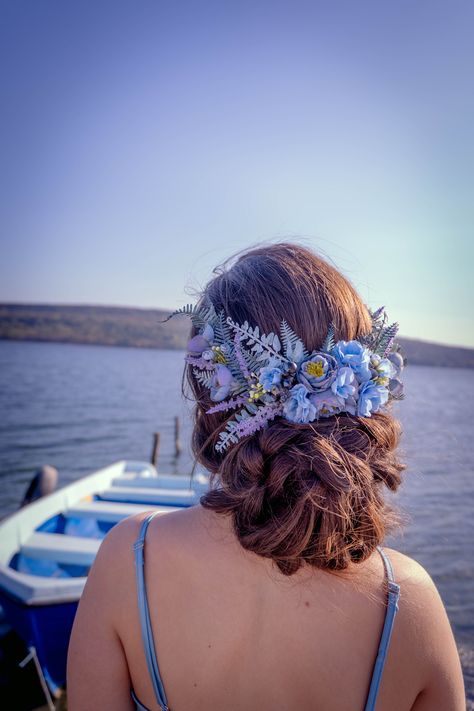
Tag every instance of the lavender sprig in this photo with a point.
(200, 362)
(227, 405)
(251, 424)
(236, 429)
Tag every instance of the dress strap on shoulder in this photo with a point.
(391, 611)
(144, 612)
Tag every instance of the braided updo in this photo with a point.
(298, 493)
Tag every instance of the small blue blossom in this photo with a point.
(345, 383)
(209, 354)
(270, 376)
(221, 383)
(298, 407)
(371, 398)
(350, 405)
(327, 403)
(317, 372)
(382, 369)
(354, 355)
(397, 361)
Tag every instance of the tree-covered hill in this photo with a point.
(118, 326)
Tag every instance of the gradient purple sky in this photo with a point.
(143, 142)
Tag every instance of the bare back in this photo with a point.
(231, 632)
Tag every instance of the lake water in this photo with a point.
(82, 407)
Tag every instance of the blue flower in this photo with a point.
(350, 405)
(354, 355)
(221, 383)
(208, 354)
(371, 398)
(397, 361)
(343, 385)
(382, 369)
(327, 403)
(298, 407)
(317, 372)
(269, 376)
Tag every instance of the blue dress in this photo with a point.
(147, 633)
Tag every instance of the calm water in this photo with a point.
(82, 407)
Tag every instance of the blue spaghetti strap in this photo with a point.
(145, 621)
(392, 607)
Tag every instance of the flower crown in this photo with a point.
(265, 376)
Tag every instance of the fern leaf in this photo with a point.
(222, 332)
(203, 376)
(328, 343)
(187, 310)
(258, 342)
(293, 346)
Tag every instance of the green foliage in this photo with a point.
(203, 376)
(329, 341)
(262, 346)
(293, 346)
(381, 338)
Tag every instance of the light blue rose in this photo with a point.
(397, 361)
(382, 369)
(354, 355)
(317, 372)
(221, 383)
(395, 385)
(350, 405)
(298, 407)
(269, 376)
(371, 398)
(345, 384)
(327, 403)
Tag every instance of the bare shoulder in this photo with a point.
(176, 535)
(424, 623)
(417, 588)
(408, 569)
(172, 525)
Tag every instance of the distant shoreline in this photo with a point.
(141, 328)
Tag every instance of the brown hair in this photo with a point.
(298, 493)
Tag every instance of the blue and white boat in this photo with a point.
(48, 547)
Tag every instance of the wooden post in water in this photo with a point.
(156, 448)
(177, 443)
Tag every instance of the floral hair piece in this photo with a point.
(263, 376)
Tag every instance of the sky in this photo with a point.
(144, 142)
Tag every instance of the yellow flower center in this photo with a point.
(315, 368)
(256, 391)
(220, 357)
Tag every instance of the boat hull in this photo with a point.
(48, 546)
(47, 628)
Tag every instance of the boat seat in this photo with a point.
(71, 550)
(142, 495)
(111, 511)
(162, 482)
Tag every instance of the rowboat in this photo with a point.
(48, 547)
